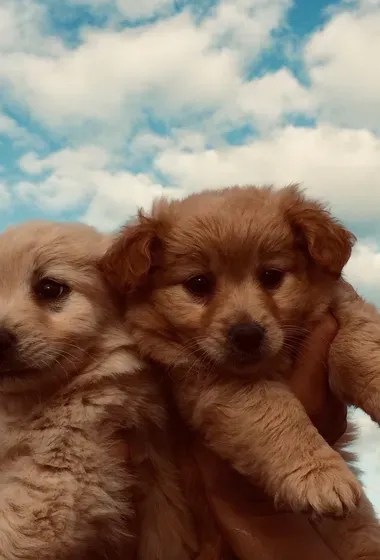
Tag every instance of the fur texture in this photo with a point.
(85, 465)
(221, 289)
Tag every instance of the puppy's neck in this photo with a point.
(20, 398)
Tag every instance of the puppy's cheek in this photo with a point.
(77, 319)
(291, 299)
(213, 347)
(274, 340)
(34, 348)
(180, 308)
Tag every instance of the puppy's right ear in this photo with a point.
(128, 262)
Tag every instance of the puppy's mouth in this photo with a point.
(241, 360)
(15, 368)
(241, 364)
(13, 365)
(233, 360)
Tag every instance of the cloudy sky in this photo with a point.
(105, 104)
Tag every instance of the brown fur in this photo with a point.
(83, 430)
(244, 411)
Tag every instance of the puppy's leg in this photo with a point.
(265, 433)
(357, 537)
(354, 358)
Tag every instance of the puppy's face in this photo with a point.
(52, 298)
(230, 279)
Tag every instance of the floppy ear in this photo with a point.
(325, 239)
(127, 263)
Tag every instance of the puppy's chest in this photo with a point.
(59, 435)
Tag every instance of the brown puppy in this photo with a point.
(72, 391)
(221, 289)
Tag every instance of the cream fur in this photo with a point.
(75, 402)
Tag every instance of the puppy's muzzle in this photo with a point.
(246, 339)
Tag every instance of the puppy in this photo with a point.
(221, 289)
(73, 395)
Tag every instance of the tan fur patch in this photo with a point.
(74, 400)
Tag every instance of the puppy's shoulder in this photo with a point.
(121, 389)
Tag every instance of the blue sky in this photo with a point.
(106, 104)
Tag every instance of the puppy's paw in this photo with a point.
(324, 489)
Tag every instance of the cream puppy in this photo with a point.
(72, 393)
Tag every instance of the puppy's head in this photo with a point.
(53, 299)
(228, 279)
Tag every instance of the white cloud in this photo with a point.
(72, 177)
(363, 269)
(16, 23)
(333, 164)
(23, 28)
(86, 178)
(66, 160)
(112, 72)
(144, 8)
(5, 197)
(246, 25)
(132, 9)
(172, 66)
(269, 99)
(240, 23)
(118, 196)
(147, 144)
(338, 165)
(9, 128)
(341, 60)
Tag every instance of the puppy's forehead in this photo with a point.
(235, 223)
(48, 246)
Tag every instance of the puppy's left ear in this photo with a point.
(326, 241)
(129, 260)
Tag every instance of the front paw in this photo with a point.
(321, 489)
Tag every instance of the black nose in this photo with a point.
(7, 340)
(246, 337)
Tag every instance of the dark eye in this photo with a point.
(50, 290)
(271, 278)
(201, 286)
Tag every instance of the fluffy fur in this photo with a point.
(79, 414)
(194, 270)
